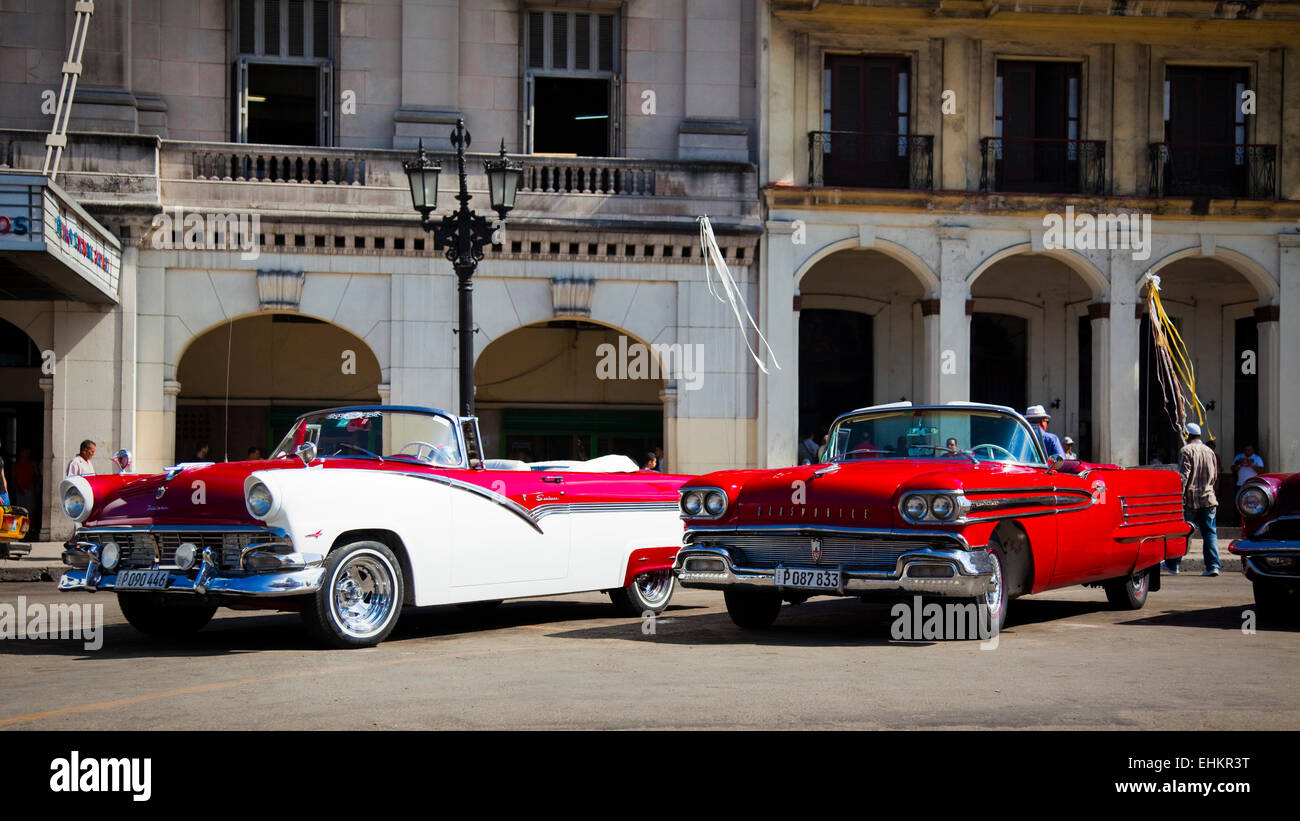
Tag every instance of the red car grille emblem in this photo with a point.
(816, 550)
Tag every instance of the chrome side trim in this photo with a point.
(491, 495)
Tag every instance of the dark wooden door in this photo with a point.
(869, 96)
(1201, 129)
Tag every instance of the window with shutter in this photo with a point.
(571, 82)
(283, 93)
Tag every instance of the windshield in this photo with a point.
(422, 437)
(934, 434)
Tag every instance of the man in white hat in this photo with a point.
(1038, 417)
(1199, 467)
(1070, 452)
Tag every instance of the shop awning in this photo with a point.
(50, 248)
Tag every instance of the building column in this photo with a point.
(1115, 367)
(1099, 315)
(1284, 374)
(930, 350)
(1268, 359)
(778, 391)
(51, 471)
(171, 390)
(668, 396)
(712, 128)
(953, 362)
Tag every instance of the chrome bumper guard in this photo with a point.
(972, 574)
(278, 571)
(1254, 556)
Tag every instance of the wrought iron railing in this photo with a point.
(860, 159)
(1043, 165)
(1241, 170)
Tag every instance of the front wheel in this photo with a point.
(359, 599)
(991, 608)
(648, 593)
(1130, 593)
(157, 616)
(752, 609)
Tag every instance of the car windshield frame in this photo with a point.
(288, 445)
(931, 411)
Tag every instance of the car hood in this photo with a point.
(851, 494)
(202, 494)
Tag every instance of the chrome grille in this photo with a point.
(854, 554)
(141, 549)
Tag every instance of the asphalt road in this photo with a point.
(1064, 661)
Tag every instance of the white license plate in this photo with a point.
(142, 580)
(816, 578)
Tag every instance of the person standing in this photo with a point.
(1247, 464)
(808, 450)
(80, 464)
(1070, 452)
(650, 461)
(1039, 417)
(4, 483)
(659, 458)
(1199, 467)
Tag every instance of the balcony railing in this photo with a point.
(1240, 171)
(860, 159)
(1043, 165)
(279, 163)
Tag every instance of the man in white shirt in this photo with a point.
(80, 464)
(1247, 464)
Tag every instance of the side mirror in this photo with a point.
(1055, 461)
(306, 452)
(123, 460)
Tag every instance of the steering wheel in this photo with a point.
(420, 447)
(991, 447)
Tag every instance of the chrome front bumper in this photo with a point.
(972, 574)
(287, 573)
(1255, 554)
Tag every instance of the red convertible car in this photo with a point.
(1270, 549)
(362, 510)
(953, 502)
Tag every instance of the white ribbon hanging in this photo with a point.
(713, 259)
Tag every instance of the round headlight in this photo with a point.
(259, 499)
(715, 502)
(186, 555)
(692, 503)
(1253, 501)
(109, 555)
(942, 506)
(74, 504)
(915, 507)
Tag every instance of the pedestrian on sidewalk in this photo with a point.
(4, 483)
(80, 464)
(1199, 467)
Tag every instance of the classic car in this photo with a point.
(897, 511)
(1270, 548)
(359, 511)
(14, 523)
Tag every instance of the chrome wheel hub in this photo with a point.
(656, 586)
(994, 596)
(362, 596)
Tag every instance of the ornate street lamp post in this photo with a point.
(463, 234)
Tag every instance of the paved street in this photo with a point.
(1065, 661)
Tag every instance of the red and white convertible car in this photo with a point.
(362, 510)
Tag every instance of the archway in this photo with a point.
(573, 389)
(859, 335)
(22, 421)
(1031, 337)
(1212, 304)
(244, 381)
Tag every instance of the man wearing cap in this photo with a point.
(1199, 467)
(1070, 452)
(1038, 418)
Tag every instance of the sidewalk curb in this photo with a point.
(16, 572)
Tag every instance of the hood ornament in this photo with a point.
(831, 468)
(161, 490)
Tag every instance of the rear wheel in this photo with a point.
(752, 609)
(359, 599)
(1130, 593)
(648, 593)
(157, 615)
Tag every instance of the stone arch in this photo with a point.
(1254, 273)
(1073, 260)
(908, 258)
